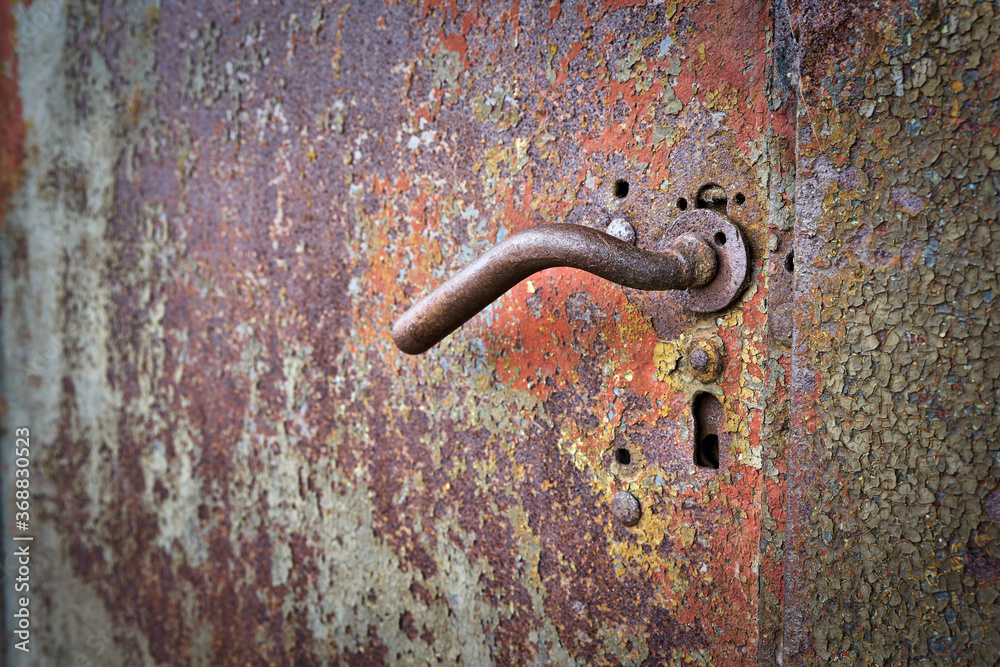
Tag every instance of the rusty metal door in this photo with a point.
(214, 213)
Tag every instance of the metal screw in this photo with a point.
(626, 508)
(621, 230)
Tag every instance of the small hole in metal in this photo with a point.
(682, 203)
(720, 238)
(790, 261)
(623, 456)
(739, 198)
(621, 189)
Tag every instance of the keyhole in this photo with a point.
(708, 451)
(708, 422)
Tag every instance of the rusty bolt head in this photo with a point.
(699, 361)
(706, 359)
(626, 509)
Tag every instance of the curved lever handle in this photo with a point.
(688, 262)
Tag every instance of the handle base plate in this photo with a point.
(732, 251)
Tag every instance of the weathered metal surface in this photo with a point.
(688, 260)
(224, 207)
(894, 534)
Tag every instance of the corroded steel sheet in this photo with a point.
(214, 212)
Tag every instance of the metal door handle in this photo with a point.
(690, 260)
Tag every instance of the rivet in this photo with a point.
(626, 509)
(699, 361)
(705, 359)
(620, 229)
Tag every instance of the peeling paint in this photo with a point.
(895, 391)
(227, 205)
(281, 484)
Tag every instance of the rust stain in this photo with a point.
(12, 151)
